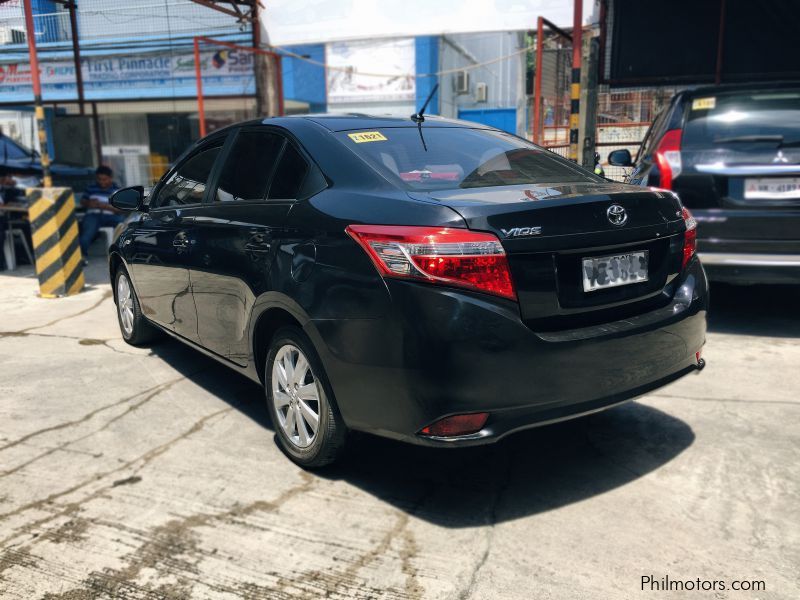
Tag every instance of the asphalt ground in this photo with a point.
(154, 473)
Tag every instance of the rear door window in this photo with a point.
(736, 120)
(434, 158)
(249, 166)
(289, 175)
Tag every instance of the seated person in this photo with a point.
(99, 213)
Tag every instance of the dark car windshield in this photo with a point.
(11, 150)
(435, 158)
(733, 119)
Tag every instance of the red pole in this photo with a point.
(201, 110)
(575, 88)
(37, 94)
(537, 83)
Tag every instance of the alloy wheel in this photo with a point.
(125, 304)
(296, 396)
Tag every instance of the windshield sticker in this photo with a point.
(704, 103)
(367, 136)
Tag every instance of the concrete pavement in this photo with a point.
(153, 473)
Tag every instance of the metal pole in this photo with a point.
(575, 88)
(720, 42)
(279, 77)
(76, 54)
(201, 110)
(537, 84)
(98, 140)
(37, 94)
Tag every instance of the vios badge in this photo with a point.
(521, 231)
(617, 215)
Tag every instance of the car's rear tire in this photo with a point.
(134, 327)
(300, 401)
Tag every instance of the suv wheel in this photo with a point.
(299, 398)
(135, 329)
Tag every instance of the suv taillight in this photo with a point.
(690, 237)
(668, 158)
(443, 255)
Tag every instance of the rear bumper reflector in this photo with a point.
(456, 425)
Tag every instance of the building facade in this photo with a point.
(140, 110)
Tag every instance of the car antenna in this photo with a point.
(419, 117)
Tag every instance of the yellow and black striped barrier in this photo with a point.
(54, 230)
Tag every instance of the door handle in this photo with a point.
(258, 242)
(181, 241)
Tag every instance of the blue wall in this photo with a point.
(427, 58)
(48, 29)
(501, 118)
(303, 81)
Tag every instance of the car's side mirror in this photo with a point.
(620, 158)
(129, 198)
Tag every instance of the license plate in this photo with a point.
(601, 272)
(772, 188)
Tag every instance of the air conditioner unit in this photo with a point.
(9, 35)
(461, 82)
(481, 92)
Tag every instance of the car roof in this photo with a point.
(710, 90)
(350, 121)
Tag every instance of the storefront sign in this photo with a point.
(224, 72)
(354, 65)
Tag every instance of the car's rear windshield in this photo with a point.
(736, 118)
(436, 158)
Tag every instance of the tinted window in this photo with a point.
(12, 150)
(290, 174)
(734, 120)
(188, 183)
(446, 158)
(652, 135)
(249, 166)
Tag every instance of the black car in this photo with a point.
(732, 153)
(26, 166)
(437, 282)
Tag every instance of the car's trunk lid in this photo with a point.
(547, 230)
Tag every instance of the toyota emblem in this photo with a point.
(617, 215)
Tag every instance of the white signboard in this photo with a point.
(352, 66)
(288, 22)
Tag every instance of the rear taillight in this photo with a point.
(690, 237)
(668, 158)
(441, 255)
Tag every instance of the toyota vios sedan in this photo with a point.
(432, 281)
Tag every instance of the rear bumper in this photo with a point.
(752, 267)
(443, 352)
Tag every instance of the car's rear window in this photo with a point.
(435, 158)
(757, 117)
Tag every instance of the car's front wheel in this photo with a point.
(300, 401)
(135, 329)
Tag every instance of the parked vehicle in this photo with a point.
(732, 153)
(25, 165)
(433, 281)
